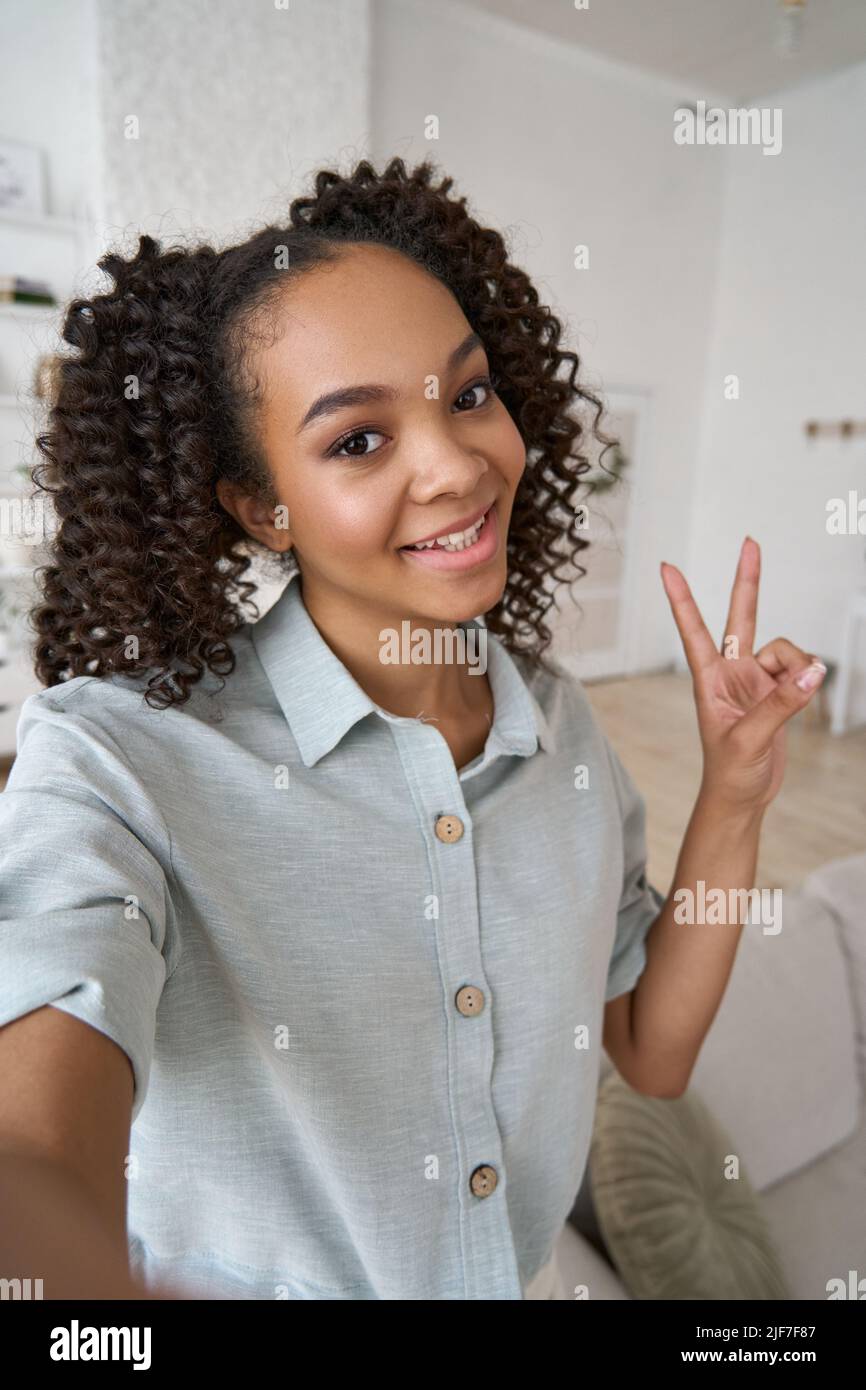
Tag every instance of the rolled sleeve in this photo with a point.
(84, 902)
(640, 903)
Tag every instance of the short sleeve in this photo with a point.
(640, 903)
(84, 904)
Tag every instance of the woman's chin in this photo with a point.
(463, 601)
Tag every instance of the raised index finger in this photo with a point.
(700, 649)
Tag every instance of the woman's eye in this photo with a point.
(342, 447)
(487, 386)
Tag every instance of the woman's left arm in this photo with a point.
(743, 702)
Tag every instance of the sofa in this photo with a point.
(783, 1071)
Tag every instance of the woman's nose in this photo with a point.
(443, 466)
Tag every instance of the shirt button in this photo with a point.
(469, 1000)
(483, 1180)
(449, 829)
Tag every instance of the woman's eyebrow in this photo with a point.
(332, 401)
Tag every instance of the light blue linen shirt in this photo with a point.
(365, 1057)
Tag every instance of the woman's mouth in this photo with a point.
(470, 548)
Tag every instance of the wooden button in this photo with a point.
(469, 1000)
(449, 829)
(483, 1180)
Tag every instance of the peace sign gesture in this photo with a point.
(743, 699)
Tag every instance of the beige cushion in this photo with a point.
(674, 1225)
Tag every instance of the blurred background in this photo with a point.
(714, 291)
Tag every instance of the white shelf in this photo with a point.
(39, 312)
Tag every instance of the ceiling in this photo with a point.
(726, 48)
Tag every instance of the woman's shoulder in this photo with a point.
(71, 725)
(97, 697)
(116, 705)
(76, 698)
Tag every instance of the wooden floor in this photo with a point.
(819, 814)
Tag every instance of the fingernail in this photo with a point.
(812, 676)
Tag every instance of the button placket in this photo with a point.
(487, 1240)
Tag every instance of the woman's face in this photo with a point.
(379, 432)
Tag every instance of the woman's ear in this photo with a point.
(265, 523)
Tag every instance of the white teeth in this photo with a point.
(458, 540)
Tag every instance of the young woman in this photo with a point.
(355, 928)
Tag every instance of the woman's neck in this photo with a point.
(447, 683)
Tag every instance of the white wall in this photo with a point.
(790, 321)
(237, 104)
(563, 148)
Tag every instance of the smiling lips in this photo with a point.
(459, 550)
(451, 533)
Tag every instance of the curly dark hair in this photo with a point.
(157, 406)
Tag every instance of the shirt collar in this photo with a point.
(321, 700)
